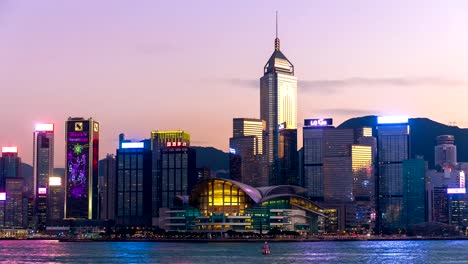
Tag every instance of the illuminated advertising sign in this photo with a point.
(2, 196)
(9, 149)
(44, 127)
(232, 151)
(176, 144)
(318, 122)
(282, 126)
(138, 145)
(456, 190)
(55, 181)
(392, 120)
(42, 191)
(78, 160)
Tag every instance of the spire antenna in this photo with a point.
(277, 41)
(276, 24)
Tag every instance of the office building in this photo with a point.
(55, 200)
(288, 160)
(278, 103)
(134, 173)
(9, 165)
(173, 168)
(246, 147)
(43, 166)
(393, 137)
(339, 173)
(414, 192)
(15, 205)
(81, 173)
(325, 146)
(107, 187)
(445, 152)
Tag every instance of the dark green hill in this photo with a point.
(212, 158)
(423, 135)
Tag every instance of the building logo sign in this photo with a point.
(176, 144)
(79, 126)
(318, 122)
(456, 190)
(282, 126)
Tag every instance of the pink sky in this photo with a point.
(138, 66)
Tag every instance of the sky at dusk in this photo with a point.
(138, 66)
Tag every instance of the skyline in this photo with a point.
(342, 53)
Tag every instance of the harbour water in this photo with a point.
(48, 251)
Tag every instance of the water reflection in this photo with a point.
(221, 253)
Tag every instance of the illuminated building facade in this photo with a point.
(81, 173)
(393, 139)
(173, 168)
(133, 204)
(55, 200)
(278, 102)
(43, 166)
(229, 205)
(246, 148)
(108, 174)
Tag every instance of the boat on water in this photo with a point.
(266, 249)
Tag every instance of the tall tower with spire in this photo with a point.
(278, 105)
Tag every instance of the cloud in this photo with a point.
(331, 86)
(349, 111)
(334, 84)
(242, 82)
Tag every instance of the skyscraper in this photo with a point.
(246, 159)
(288, 161)
(338, 171)
(414, 192)
(108, 175)
(81, 173)
(9, 165)
(133, 184)
(173, 166)
(43, 166)
(278, 102)
(393, 139)
(55, 200)
(445, 151)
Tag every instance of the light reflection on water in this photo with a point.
(223, 253)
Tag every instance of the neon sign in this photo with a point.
(42, 191)
(176, 144)
(9, 149)
(139, 145)
(232, 151)
(2, 196)
(55, 181)
(318, 122)
(44, 127)
(282, 126)
(78, 165)
(456, 190)
(392, 120)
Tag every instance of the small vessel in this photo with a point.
(266, 249)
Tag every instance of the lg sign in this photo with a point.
(318, 122)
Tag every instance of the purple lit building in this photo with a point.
(81, 173)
